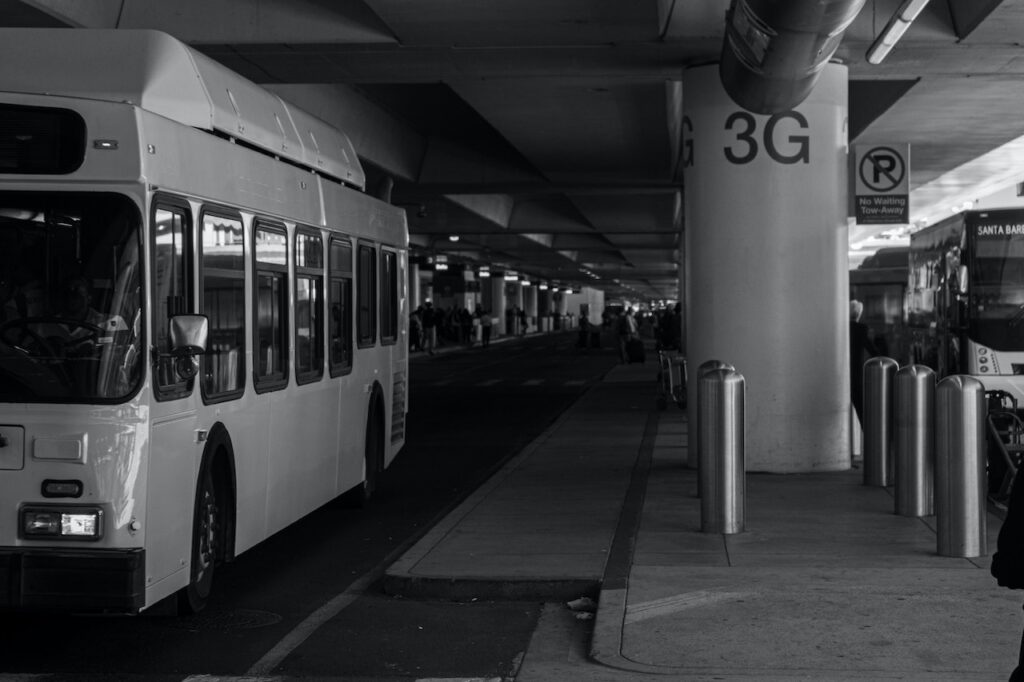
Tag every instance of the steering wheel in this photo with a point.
(24, 326)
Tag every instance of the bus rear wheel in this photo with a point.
(359, 496)
(193, 598)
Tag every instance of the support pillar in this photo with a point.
(497, 284)
(414, 286)
(427, 286)
(561, 309)
(530, 305)
(682, 304)
(766, 264)
(545, 308)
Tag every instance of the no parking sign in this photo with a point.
(882, 184)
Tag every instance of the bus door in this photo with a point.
(951, 308)
(175, 446)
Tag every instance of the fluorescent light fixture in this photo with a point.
(894, 30)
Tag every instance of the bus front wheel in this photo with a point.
(193, 598)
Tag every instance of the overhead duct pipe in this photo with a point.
(774, 50)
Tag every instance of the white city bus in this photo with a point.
(203, 326)
(965, 298)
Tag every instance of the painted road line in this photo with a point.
(303, 630)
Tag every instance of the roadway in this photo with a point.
(470, 411)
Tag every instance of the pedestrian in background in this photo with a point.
(627, 330)
(484, 317)
(429, 328)
(416, 329)
(1008, 560)
(861, 349)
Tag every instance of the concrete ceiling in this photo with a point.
(545, 133)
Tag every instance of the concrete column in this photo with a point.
(427, 286)
(414, 286)
(515, 301)
(544, 309)
(766, 265)
(497, 284)
(682, 304)
(530, 305)
(471, 298)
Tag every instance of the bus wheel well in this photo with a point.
(375, 425)
(219, 459)
(358, 496)
(213, 521)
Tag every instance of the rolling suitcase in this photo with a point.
(635, 350)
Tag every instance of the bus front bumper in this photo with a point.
(107, 580)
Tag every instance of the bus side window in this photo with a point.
(223, 299)
(339, 302)
(366, 295)
(388, 296)
(270, 306)
(309, 303)
(171, 292)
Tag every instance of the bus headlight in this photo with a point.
(62, 523)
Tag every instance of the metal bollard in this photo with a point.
(960, 516)
(879, 374)
(722, 465)
(693, 453)
(915, 451)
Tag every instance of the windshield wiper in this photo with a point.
(1017, 316)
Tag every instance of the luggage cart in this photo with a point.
(1005, 430)
(671, 379)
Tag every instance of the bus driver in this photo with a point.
(81, 321)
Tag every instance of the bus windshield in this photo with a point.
(71, 317)
(997, 291)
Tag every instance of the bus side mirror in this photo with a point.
(961, 276)
(188, 336)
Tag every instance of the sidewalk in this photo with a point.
(825, 583)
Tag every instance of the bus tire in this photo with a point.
(359, 496)
(206, 524)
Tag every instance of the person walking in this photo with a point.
(416, 329)
(627, 331)
(465, 323)
(861, 349)
(484, 316)
(1008, 561)
(429, 328)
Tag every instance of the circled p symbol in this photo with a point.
(882, 169)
